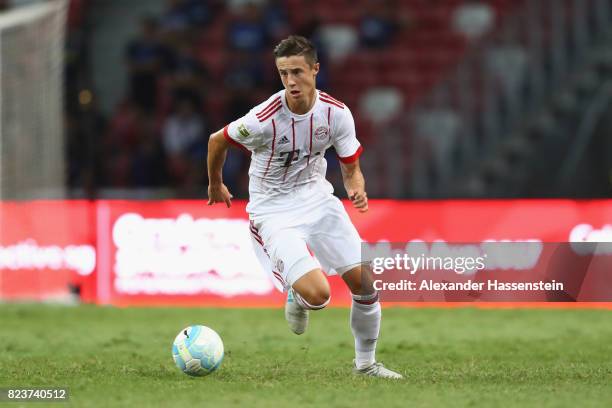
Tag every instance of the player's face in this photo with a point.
(299, 77)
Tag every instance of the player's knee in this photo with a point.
(314, 289)
(359, 282)
(362, 288)
(317, 297)
(321, 298)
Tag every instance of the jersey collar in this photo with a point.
(295, 115)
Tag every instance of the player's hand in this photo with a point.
(359, 200)
(219, 194)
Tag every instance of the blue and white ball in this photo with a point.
(197, 350)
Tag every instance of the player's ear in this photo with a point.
(315, 68)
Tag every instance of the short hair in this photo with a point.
(297, 45)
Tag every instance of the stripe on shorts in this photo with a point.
(259, 239)
(279, 277)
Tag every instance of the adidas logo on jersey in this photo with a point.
(283, 140)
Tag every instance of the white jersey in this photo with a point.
(287, 150)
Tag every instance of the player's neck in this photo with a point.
(303, 106)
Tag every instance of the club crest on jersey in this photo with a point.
(280, 265)
(244, 132)
(321, 133)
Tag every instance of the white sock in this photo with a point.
(365, 325)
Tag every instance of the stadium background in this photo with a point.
(479, 119)
(452, 100)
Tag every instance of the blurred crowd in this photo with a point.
(203, 63)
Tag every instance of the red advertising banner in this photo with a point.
(45, 248)
(178, 253)
(481, 220)
(188, 253)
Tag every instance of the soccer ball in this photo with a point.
(197, 350)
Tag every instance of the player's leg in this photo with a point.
(298, 270)
(309, 292)
(337, 245)
(365, 315)
(365, 322)
(312, 290)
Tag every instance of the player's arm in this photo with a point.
(354, 183)
(217, 152)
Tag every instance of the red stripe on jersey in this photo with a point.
(270, 105)
(263, 115)
(352, 158)
(292, 148)
(328, 96)
(309, 153)
(232, 141)
(329, 121)
(269, 115)
(331, 102)
(273, 142)
(310, 148)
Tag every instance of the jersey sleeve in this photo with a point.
(245, 132)
(344, 138)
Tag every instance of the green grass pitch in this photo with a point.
(452, 357)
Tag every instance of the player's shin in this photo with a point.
(365, 325)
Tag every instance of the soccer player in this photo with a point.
(291, 207)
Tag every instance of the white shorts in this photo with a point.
(316, 235)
